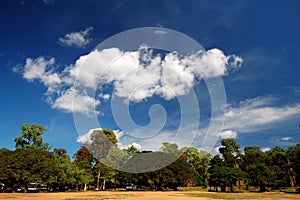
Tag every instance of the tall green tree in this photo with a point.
(199, 161)
(215, 163)
(32, 136)
(103, 147)
(280, 163)
(257, 165)
(226, 177)
(65, 177)
(83, 165)
(230, 151)
(293, 154)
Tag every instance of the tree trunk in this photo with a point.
(262, 188)
(85, 187)
(292, 175)
(98, 180)
(103, 185)
(223, 188)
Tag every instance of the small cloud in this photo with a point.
(17, 69)
(41, 69)
(104, 96)
(234, 62)
(227, 134)
(78, 39)
(118, 134)
(264, 149)
(286, 138)
(160, 32)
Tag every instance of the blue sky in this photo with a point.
(41, 42)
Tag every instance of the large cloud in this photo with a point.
(134, 75)
(139, 74)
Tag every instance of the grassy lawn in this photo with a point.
(245, 195)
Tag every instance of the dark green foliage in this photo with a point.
(281, 165)
(32, 162)
(260, 174)
(23, 166)
(132, 149)
(141, 162)
(230, 151)
(258, 166)
(32, 136)
(82, 167)
(293, 154)
(222, 176)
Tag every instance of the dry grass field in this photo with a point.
(147, 195)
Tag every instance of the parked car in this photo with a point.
(44, 188)
(131, 187)
(34, 187)
(21, 189)
(8, 190)
(1, 187)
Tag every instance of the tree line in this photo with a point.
(33, 161)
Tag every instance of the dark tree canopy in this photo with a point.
(96, 164)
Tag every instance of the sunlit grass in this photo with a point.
(193, 189)
(247, 195)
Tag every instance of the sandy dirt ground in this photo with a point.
(103, 195)
(125, 195)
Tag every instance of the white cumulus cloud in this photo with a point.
(138, 75)
(133, 75)
(286, 138)
(74, 101)
(227, 134)
(264, 149)
(41, 69)
(78, 39)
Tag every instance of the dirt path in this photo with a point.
(103, 195)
